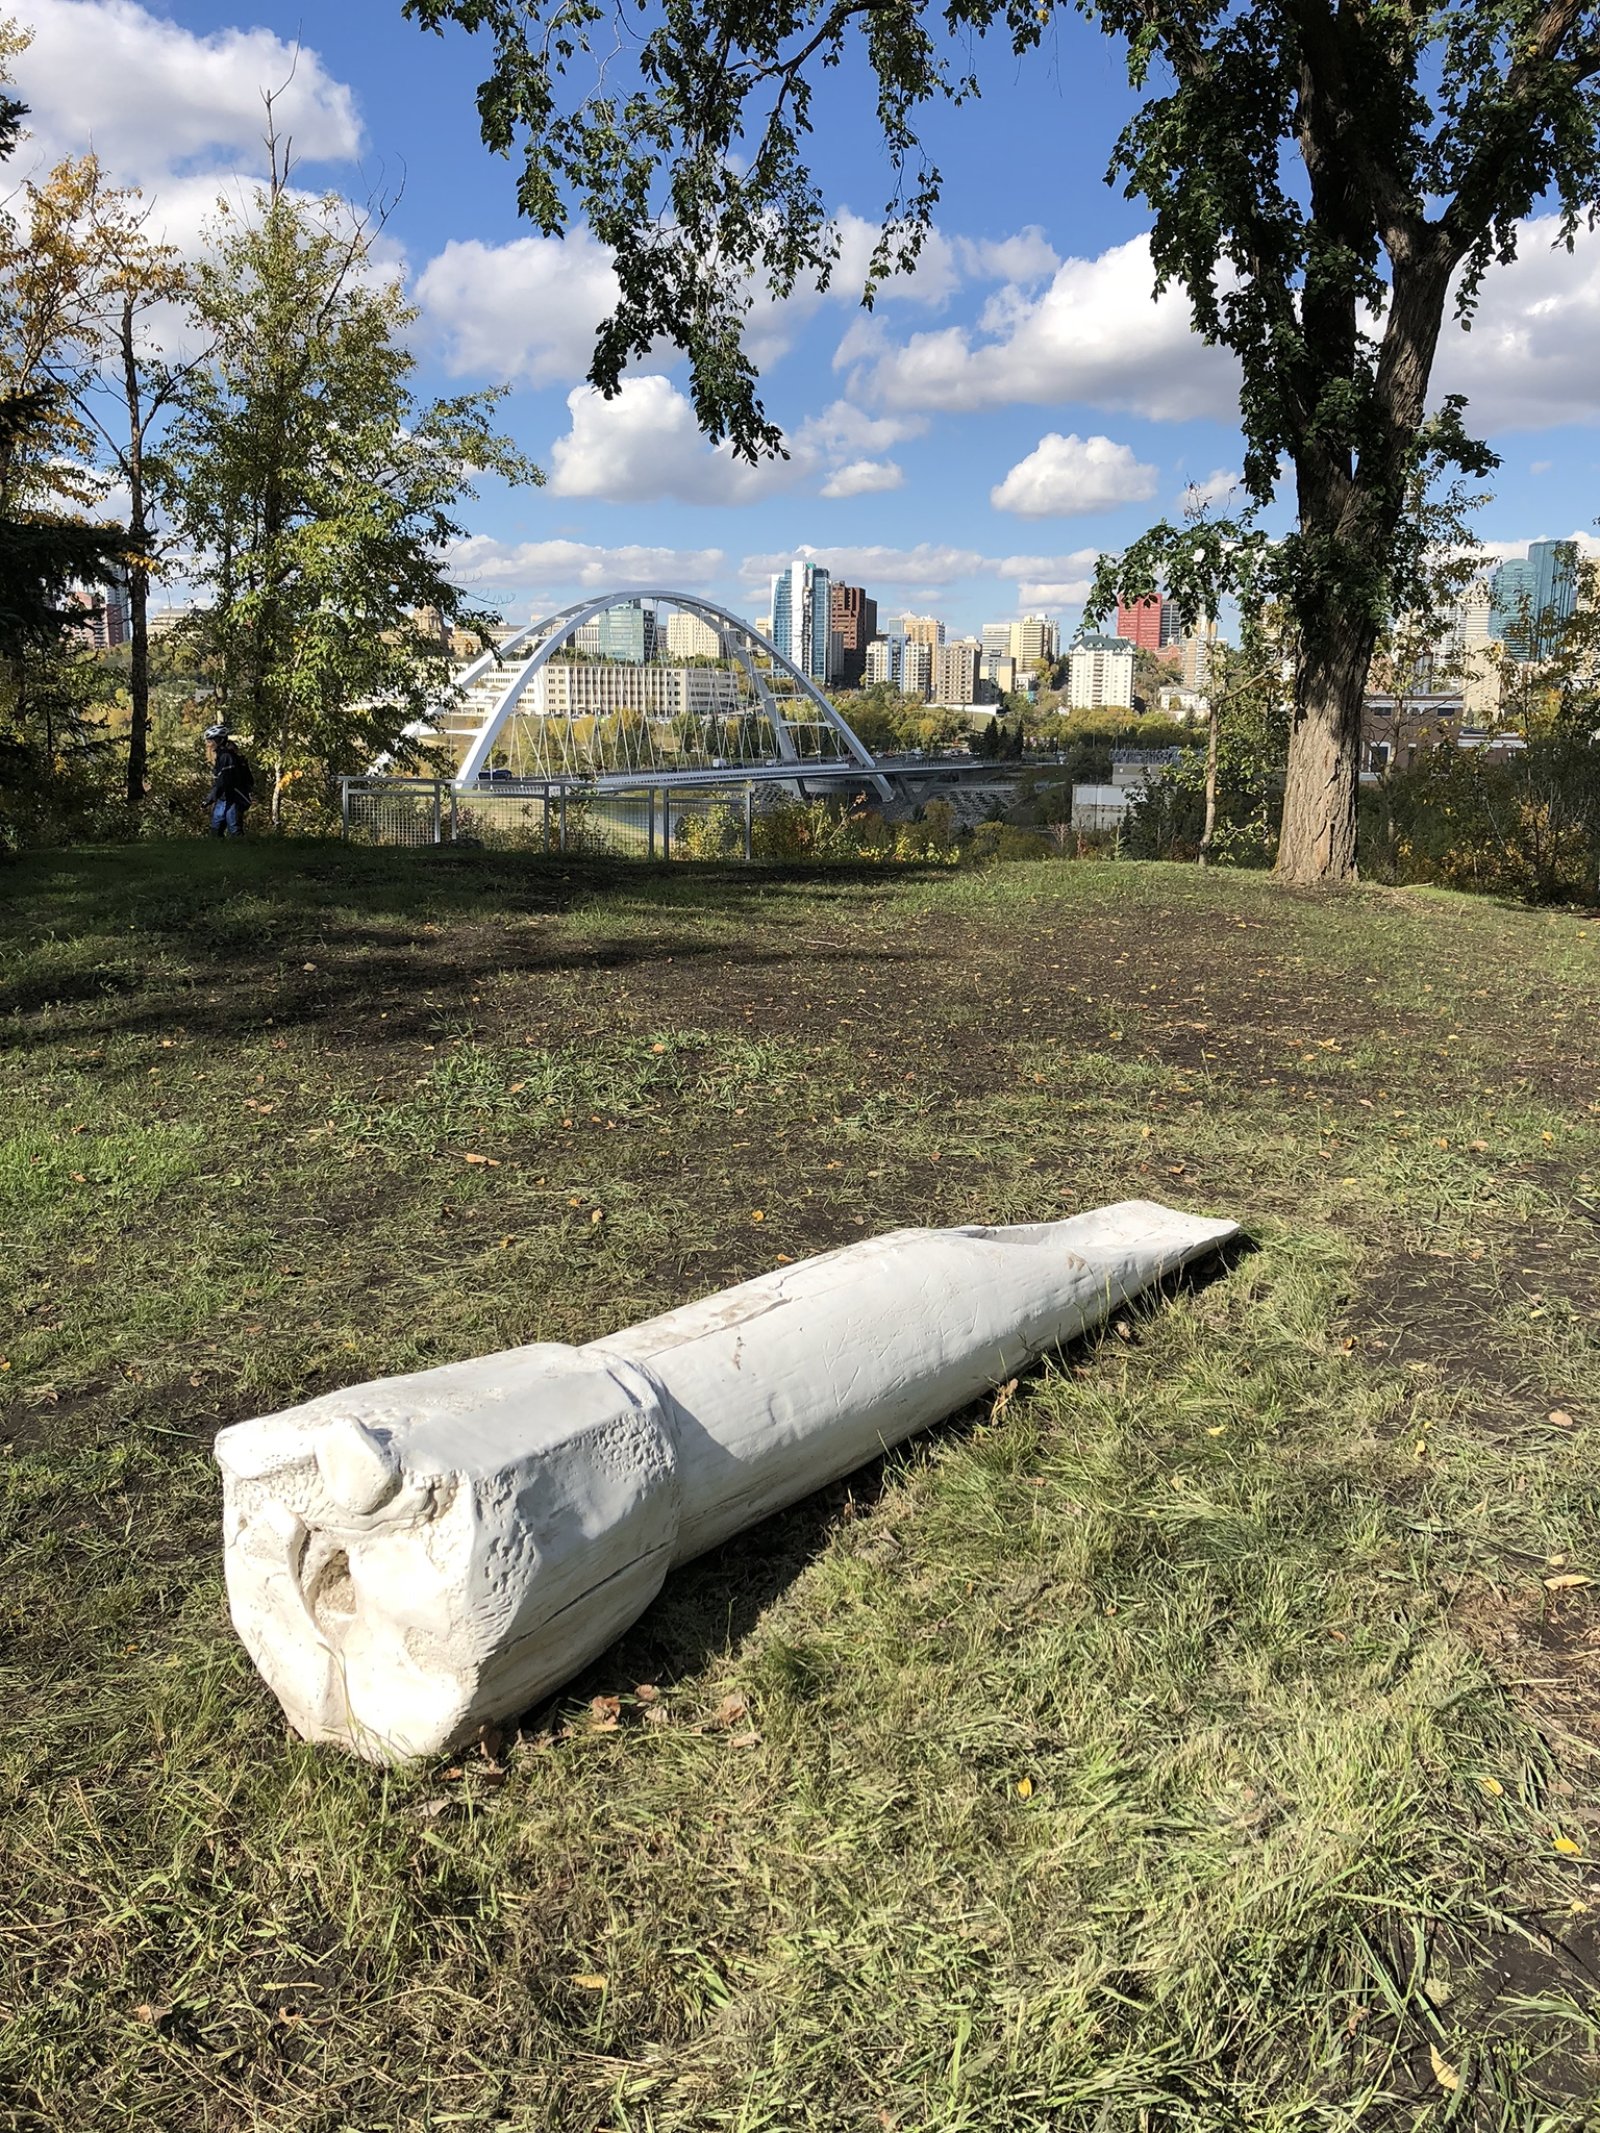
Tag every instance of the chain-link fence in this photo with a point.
(651, 822)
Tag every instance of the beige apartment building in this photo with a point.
(578, 689)
(960, 668)
(688, 637)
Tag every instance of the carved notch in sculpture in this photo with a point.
(416, 1557)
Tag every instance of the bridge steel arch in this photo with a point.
(744, 644)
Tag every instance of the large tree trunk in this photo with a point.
(1317, 847)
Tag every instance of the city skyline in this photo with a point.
(1015, 406)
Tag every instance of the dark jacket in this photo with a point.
(233, 781)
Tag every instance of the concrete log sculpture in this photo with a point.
(415, 1557)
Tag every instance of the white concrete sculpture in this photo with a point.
(414, 1558)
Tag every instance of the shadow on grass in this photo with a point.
(227, 940)
(708, 1607)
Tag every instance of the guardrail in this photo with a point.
(647, 822)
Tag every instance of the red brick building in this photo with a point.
(853, 620)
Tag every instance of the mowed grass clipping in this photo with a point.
(1201, 1734)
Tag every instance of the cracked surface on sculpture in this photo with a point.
(413, 1558)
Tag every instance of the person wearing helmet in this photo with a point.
(232, 784)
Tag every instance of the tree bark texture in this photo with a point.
(1317, 846)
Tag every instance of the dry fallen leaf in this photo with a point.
(1443, 2072)
(493, 1161)
(744, 1740)
(1568, 1847)
(1024, 1788)
(150, 2014)
(1560, 1418)
(596, 1215)
(658, 1048)
(647, 1692)
(591, 1980)
(731, 1709)
(1567, 1582)
(1493, 1787)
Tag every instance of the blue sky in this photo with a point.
(1017, 405)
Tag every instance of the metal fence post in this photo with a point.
(452, 814)
(666, 821)
(344, 808)
(544, 838)
(749, 823)
(563, 818)
(438, 815)
(650, 804)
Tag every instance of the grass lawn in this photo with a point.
(1205, 1734)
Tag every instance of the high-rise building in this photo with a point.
(923, 629)
(1530, 597)
(916, 667)
(628, 632)
(1193, 655)
(1100, 674)
(1036, 639)
(996, 640)
(854, 623)
(688, 637)
(1139, 622)
(802, 617)
(904, 663)
(1172, 630)
(104, 611)
(958, 671)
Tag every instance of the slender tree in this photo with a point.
(100, 295)
(317, 492)
(1326, 176)
(46, 471)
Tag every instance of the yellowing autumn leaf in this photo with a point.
(1492, 1786)
(1568, 1847)
(1024, 1788)
(1443, 2072)
(591, 1980)
(1567, 1581)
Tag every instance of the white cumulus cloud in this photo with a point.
(558, 568)
(1063, 476)
(152, 97)
(644, 445)
(522, 312)
(1097, 334)
(863, 477)
(1530, 359)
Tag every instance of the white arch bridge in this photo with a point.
(534, 710)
